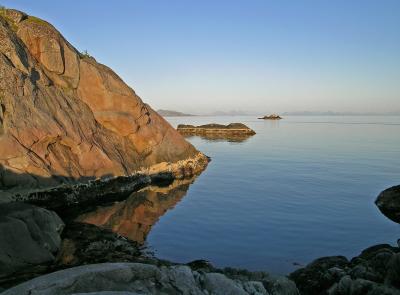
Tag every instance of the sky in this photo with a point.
(247, 55)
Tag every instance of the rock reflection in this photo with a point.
(222, 137)
(134, 217)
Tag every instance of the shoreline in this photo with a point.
(108, 189)
(87, 246)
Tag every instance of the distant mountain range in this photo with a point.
(169, 113)
(331, 113)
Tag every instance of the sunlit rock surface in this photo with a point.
(65, 117)
(232, 129)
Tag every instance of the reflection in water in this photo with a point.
(221, 137)
(134, 217)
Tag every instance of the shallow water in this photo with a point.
(301, 188)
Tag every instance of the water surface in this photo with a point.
(301, 188)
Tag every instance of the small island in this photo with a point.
(169, 113)
(271, 117)
(228, 130)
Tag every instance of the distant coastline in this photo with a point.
(330, 113)
(169, 113)
(172, 113)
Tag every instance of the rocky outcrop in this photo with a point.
(231, 129)
(65, 117)
(388, 203)
(151, 279)
(375, 271)
(271, 117)
(29, 236)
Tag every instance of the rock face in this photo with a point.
(388, 203)
(66, 118)
(140, 278)
(29, 235)
(375, 271)
(216, 129)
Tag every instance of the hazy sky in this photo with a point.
(257, 56)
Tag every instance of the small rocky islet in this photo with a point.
(74, 136)
(271, 117)
(232, 129)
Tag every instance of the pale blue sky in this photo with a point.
(250, 55)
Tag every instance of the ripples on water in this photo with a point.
(301, 188)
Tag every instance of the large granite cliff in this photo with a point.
(65, 117)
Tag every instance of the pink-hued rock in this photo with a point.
(64, 117)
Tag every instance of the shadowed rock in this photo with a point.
(151, 279)
(29, 235)
(375, 271)
(388, 203)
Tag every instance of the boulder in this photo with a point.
(388, 202)
(29, 236)
(375, 271)
(111, 278)
(319, 275)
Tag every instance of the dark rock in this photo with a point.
(393, 273)
(201, 265)
(348, 286)
(388, 203)
(29, 236)
(89, 244)
(319, 275)
(375, 271)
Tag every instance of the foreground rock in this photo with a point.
(232, 129)
(271, 117)
(66, 118)
(140, 278)
(375, 271)
(29, 236)
(388, 203)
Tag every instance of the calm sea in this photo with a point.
(301, 188)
